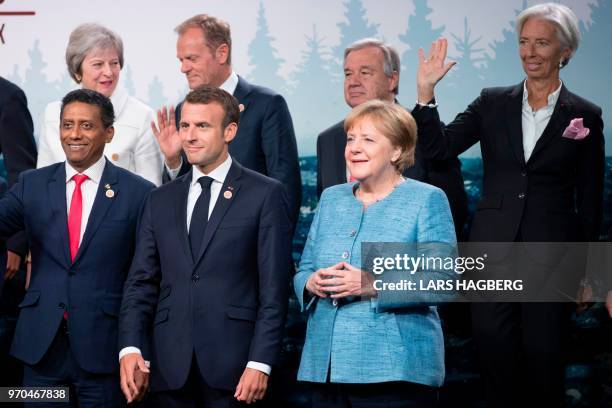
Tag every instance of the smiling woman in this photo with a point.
(543, 159)
(94, 58)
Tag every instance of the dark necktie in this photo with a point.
(199, 217)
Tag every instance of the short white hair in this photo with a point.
(562, 17)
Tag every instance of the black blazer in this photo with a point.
(265, 141)
(444, 174)
(16, 144)
(229, 305)
(89, 288)
(555, 196)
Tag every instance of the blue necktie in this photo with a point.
(199, 217)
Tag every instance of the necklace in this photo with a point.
(359, 193)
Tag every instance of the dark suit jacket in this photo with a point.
(555, 196)
(229, 305)
(90, 288)
(444, 174)
(16, 144)
(265, 141)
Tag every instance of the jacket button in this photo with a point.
(61, 305)
(523, 173)
(521, 196)
(195, 277)
(335, 302)
(345, 255)
(353, 233)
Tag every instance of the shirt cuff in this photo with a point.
(264, 368)
(130, 349)
(173, 173)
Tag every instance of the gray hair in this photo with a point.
(86, 38)
(562, 17)
(391, 59)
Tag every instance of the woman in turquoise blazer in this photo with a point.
(365, 346)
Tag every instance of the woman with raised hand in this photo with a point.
(543, 168)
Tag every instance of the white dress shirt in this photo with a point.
(133, 147)
(89, 188)
(195, 189)
(534, 122)
(228, 86)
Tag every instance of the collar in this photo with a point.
(218, 174)
(94, 172)
(230, 83)
(119, 98)
(552, 98)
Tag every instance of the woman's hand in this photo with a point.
(432, 68)
(343, 280)
(316, 284)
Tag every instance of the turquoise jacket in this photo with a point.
(387, 338)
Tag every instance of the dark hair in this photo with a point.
(204, 95)
(107, 113)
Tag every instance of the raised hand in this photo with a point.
(168, 137)
(432, 68)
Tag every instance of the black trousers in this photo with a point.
(396, 394)
(195, 393)
(522, 348)
(59, 368)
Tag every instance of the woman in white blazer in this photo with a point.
(94, 57)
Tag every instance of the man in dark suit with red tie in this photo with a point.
(211, 272)
(80, 221)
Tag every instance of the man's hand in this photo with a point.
(168, 137)
(252, 386)
(134, 377)
(432, 68)
(13, 261)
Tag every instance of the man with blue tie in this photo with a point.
(210, 274)
(80, 220)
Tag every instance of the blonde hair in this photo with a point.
(393, 122)
(216, 32)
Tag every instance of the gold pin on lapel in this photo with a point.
(109, 193)
(227, 195)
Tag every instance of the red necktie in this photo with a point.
(75, 215)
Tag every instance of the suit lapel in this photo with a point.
(231, 185)
(57, 202)
(100, 207)
(340, 145)
(514, 122)
(243, 89)
(559, 118)
(180, 212)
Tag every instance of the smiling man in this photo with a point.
(75, 214)
(211, 272)
(265, 142)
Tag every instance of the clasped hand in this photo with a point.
(339, 281)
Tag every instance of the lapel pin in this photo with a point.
(241, 108)
(109, 193)
(227, 195)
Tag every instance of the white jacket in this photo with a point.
(133, 147)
